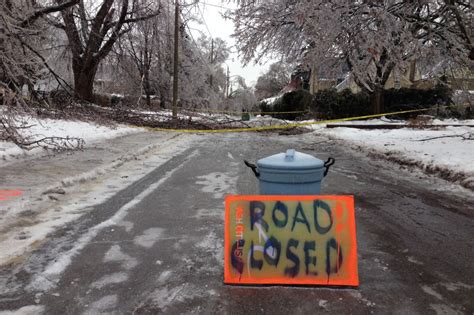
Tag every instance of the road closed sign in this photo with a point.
(307, 240)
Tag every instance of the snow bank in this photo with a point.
(388, 121)
(449, 157)
(41, 128)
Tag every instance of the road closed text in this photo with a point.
(290, 240)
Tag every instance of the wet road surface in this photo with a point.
(157, 246)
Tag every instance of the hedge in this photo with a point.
(330, 104)
(296, 101)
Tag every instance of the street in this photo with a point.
(157, 245)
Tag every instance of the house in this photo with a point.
(396, 80)
(456, 78)
(299, 79)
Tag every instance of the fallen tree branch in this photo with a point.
(56, 144)
(464, 136)
(9, 131)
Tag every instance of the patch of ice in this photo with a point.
(323, 304)
(102, 305)
(127, 225)
(113, 278)
(202, 213)
(25, 310)
(213, 244)
(454, 286)
(414, 261)
(432, 292)
(164, 276)
(442, 309)
(166, 297)
(217, 184)
(115, 254)
(149, 237)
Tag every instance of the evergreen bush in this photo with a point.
(296, 101)
(330, 104)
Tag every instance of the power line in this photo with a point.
(211, 76)
(204, 20)
(197, 46)
(218, 6)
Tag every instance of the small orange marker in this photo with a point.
(7, 194)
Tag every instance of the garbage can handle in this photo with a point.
(253, 167)
(290, 154)
(327, 164)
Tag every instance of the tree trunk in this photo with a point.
(377, 100)
(147, 87)
(84, 83)
(162, 101)
(412, 70)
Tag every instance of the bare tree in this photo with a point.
(92, 29)
(21, 63)
(273, 81)
(140, 45)
(20, 33)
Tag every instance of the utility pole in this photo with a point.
(175, 65)
(212, 62)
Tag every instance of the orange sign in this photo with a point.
(307, 240)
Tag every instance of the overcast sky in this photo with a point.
(219, 27)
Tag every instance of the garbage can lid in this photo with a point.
(291, 160)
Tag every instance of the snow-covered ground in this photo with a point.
(92, 133)
(62, 189)
(388, 121)
(448, 155)
(41, 128)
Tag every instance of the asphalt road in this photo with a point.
(157, 246)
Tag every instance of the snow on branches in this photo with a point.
(21, 64)
(373, 38)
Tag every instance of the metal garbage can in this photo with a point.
(290, 173)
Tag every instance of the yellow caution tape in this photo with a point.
(294, 125)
